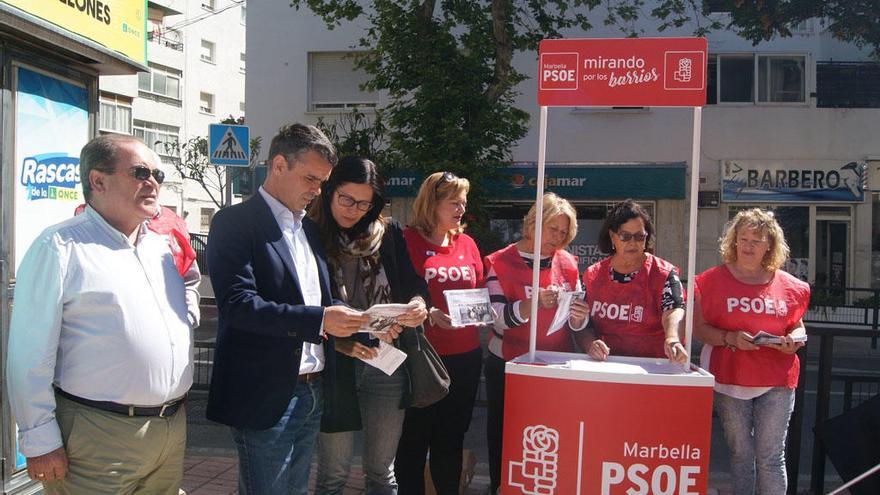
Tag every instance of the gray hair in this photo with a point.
(100, 154)
(293, 140)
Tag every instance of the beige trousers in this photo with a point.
(110, 453)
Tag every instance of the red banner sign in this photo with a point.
(622, 72)
(569, 432)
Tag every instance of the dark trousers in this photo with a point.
(494, 371)
(439, 428)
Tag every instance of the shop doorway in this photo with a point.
(832, 248)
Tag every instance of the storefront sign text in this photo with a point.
(119, 25)
(773, 182)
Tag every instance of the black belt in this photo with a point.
(163, 411)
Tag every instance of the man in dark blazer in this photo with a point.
(273, 292)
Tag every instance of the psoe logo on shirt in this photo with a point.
(51, 176)
(757, 305)
(622, 312)
(453, 273)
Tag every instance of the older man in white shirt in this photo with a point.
(100, 346)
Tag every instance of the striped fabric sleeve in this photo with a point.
(506, 312)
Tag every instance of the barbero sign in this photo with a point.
(784, 181)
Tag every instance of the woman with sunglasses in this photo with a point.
(754, 384)
(368, 265)
(448, 259)
(635, 298)
(509, 278)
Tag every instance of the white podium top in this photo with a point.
(617, 369)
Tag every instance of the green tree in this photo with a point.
(191, 162)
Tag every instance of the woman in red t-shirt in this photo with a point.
(447, 259)
(754, 384)
(509, 280)
(635, 298)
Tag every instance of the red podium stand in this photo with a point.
(633, 426)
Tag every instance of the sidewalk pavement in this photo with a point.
(218, 475)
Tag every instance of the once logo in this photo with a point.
(558, 71)
(51, 176)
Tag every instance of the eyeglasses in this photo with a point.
(446, 177)
(142, 172)
(627, 236)
(347, 201)
(752, 243)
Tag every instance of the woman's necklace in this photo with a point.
(623, 266)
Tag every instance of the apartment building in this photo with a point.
(196, 59)
(788, 125)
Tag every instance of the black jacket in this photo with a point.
(341, 407)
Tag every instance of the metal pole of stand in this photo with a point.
(692, 230)
(539, 217)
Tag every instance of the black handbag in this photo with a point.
(429, 379)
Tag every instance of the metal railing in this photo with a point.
(850, 306)
(825, 336)
(169, 37)
(199, 243)
(203, 364)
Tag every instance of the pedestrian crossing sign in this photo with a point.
(228, 145)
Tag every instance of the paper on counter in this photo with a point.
(389, 359)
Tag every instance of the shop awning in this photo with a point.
(573, 181)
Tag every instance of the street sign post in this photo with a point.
(228, 145)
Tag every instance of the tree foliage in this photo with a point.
(191, 162)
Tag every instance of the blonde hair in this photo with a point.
(553, 207)
(763, 222)
(433, 190)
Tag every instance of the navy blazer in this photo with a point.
(263, 320)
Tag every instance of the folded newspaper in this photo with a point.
(383, 316)
(764, 338)
(469, 307)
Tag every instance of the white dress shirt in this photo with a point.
(99, 318)
(306, 266)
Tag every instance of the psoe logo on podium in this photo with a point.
(536, 473)
(684, 70)
(559, 71)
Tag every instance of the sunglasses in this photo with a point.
(626, 236)
(446, 177)
(141, 172)
(347, 201)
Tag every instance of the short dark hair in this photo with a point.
(100, 154)
(350, 169)
(293, 140)
(621, 213)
